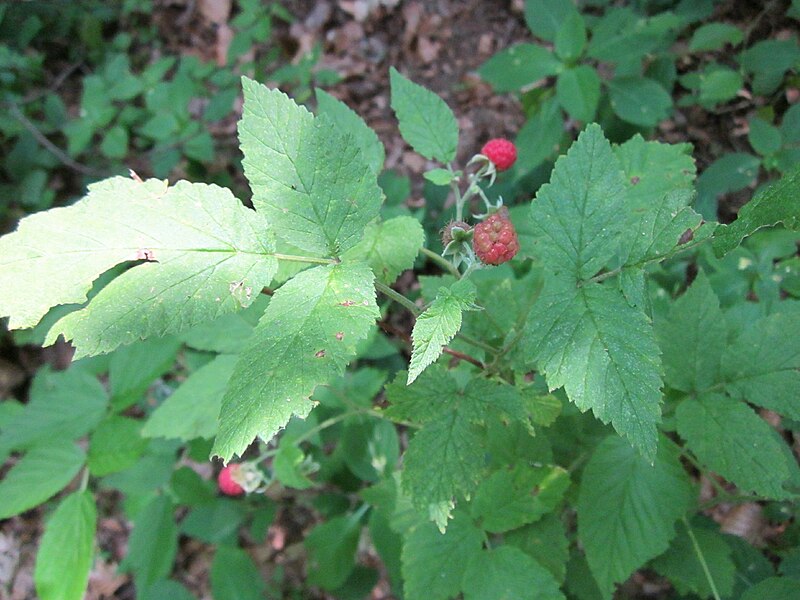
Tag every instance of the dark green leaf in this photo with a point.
(507, 573)
(234, 576)
(153, 543)
(639, 100)
(578, 91)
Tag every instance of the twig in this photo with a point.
(462, 356)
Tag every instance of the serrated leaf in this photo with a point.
(41, 473)
(507, 573)
(578, 91)
(546, 541)
(778, 202)
(628, 507)
(426, 122)
(762, 365)
(518, 66)
(60, 574)
(234, 575)
(192, 410)
(692, 338)
(153, 543)
(639, 100)
(389, 247)
(734, 442)
(197, 241)
(434, 563)
(350, 123)
(312, 183)
(438, 325)
(603, 352)
(577, 215)
(115, 445)
(306, 337)
(430, 396)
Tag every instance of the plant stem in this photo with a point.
(397, 297)
(701, 558)
(477, 343)
(442, 262)
(306, 259)
(84, 479)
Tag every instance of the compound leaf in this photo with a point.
(306, 337)
(312, 182)
(628, 507)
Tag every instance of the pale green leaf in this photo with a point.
(306, 337)
(350, 123)
(628, 507)
(693, 337)
(197, 242)
(426, 122)
(578, 91)
(639, 100)
(115, 445)
(507, 573)
(40, 474)
(734, 442)
(576, 216)
(778, 202)
(434, 563)
(389, 247)
(234, 575)
(312, 183)
(518, 66)
(153, 543)
(762, 365)
(439, 176)
(439, 324)
(192, 410)
(66, 550)
(603, 352)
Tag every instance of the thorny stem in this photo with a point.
(701, 558)
(307, 259)
(442, 262)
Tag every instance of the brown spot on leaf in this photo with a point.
(340, 336)
(320, 354)
(347, 303)
(145, 254)
(634, 180)
(686, 237)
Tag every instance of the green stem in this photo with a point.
(702, 559)
(397, 297)
(84, 480)
(307, 259)
(477, 343)
(442, 262)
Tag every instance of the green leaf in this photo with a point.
(603, 352)
(768, 60)
(228, 334)
(546, 541)
(518, 66)
(576, 216)
(286, 466)
(734, 442)
(192, 410)
(350, 123)
(713, 36)
(692, 338)
(60, 574)
(115, 445)
(166, 588)
(439, 176)
(439, 324)
(578, 91)
(546, 17)
(507, 573)
(778, 202)
(306, 337)
(434, 563)
(426, 122)
(389, 247)
(331, 550)
(312, 183)
(639, 100)
(628, 507)
(133, 369)
(115, 142)
(40, 474)
(430, 396)
(510, 498)
(190, 260)
(234, 576)
(761, 366)
(764, 137)
(540, 137)
(153, 543)
(774, 588)
(719, 84)
(571, 37)
(682, 565)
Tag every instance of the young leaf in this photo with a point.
(692, 338)
(192, 410)
(62, 574)
(778, 202)
(426, 122)
(40, 474)
(202, 252)
(153, 543)
(603, 352)
(350, 123)
(389, 247)
(761, 366)
(439, 324)
(434, 563)
(734, 442)
(234, 576)
(306, 337)
(628, 507)
(312, 182)
(507, 572)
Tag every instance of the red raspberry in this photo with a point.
(501, 152)
(226, 482)
(495, 239)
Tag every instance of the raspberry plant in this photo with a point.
(508, 486)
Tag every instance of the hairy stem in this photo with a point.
(397, 297)
(442, 262)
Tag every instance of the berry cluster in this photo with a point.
(227, 481)
(495, 239)
(501, 152)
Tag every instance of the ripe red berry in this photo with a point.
(226, 482)
(495, 239)
(501, 152)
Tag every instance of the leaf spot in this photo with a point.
(320, 354)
